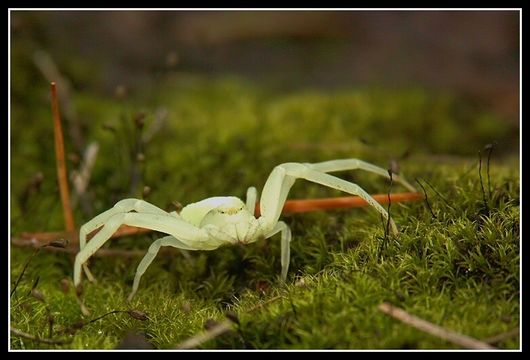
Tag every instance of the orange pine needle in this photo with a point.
(290, 207)
(61, 163)
(301, 206)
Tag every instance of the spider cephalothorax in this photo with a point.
(224, 220)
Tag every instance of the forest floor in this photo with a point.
(455, 263)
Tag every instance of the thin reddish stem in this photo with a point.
(290, 207)
(301, 206)
(61, 162)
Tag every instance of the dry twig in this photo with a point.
(81, 178)
(344, 202)
(501, 337)
(291, 207)
(100, 253)
(207, 335)
(218, 329)
(25, 335)
(430, 328)
(61, 163)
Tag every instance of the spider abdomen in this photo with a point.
(219, 210)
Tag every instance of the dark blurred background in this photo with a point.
(472, 53)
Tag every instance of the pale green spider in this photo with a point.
(223, 220)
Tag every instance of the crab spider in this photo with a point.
(224, 220)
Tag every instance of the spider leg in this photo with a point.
(192, 236)
(283, 177)
(352, 164)
(150, 256)
(122, 206)
(252, 195)
(286, 248)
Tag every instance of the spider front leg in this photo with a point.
(283, 177)
(280, 182)
(252, 195)
(188, 234)
(123, 206)
(353, 164)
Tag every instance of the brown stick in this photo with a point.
(291, 206)
(301, 206)
(22, 334)
(219, 329)
(61, 163)
(100, 253)
(81, 178)
(430, 328)
(205, 336)
(73, 236)
(501, 337)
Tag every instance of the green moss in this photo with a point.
(458, 269)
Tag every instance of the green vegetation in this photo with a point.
(457, 267)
